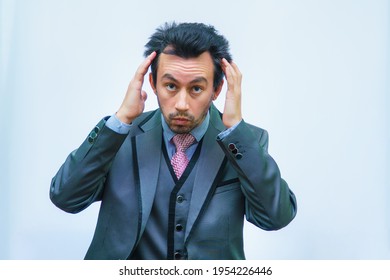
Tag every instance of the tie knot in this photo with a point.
(183, 141)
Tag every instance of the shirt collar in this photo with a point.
(197, 132)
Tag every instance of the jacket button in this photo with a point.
(231, 146)
(92, 136)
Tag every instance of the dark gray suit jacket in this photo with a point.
(236, 178)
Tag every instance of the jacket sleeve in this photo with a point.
(269, 202)
(79, 181)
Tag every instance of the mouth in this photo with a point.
(180, 121)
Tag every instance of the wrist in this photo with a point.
(230, 121)
(123, 117)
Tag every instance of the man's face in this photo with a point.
(184, 90)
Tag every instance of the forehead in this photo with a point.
(185, 68)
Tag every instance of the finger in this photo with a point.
(232, 67)
(237, 73)
(235, 68)
(229, 73)
(143, 68)
(225, 68)
(232, 73)
(224, 64)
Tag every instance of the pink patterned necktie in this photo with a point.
(180, 160)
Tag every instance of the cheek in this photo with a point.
(199, 106)
(167, 105)
(169, 102)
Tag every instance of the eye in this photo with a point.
(170, 87)
(197, 89)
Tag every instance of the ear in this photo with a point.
(218, 91)
(152, 83)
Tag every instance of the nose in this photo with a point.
(181, 101)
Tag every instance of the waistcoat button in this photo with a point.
(180, 199)
(179, 227)
(178, 255)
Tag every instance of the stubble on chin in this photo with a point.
(181, 129)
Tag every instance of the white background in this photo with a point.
(316, 76)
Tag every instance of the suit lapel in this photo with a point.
(149, 156)
(209, 163)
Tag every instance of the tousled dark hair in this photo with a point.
(188, 40)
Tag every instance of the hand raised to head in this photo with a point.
(134, 102)
(232, 110)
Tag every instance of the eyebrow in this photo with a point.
(194, 81)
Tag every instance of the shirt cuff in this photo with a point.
(226, 132)
(117, 126)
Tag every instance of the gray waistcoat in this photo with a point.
(163, 237)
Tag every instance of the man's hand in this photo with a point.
(232, 111)
(134, 102)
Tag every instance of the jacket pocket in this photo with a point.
(228, 185)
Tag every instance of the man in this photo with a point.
(177, 182)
